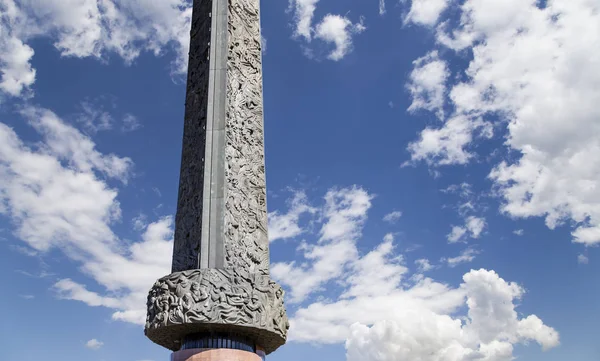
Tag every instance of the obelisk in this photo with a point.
(219, 302)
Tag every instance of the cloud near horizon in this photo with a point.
(66, 164)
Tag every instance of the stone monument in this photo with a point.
(219, 302)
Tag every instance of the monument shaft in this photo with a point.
(219, 294)
(221, 217)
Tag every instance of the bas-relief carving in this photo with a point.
(188, 222)
(247, 243)
(245, 217)
(211, 296)
(241, 297)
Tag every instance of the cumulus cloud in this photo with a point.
(426, 12)
(94, 344)
(284, 226)
(456, 234)
(473, 321)
(371, 282)
(374, 328)
(304, 11)
(473, 228)
(448, 144)
(344, 212)
(15, 55)
(533, 75)
(427, 84)
(338, 30)
(377, 273)
(57, 195)
(334, 29)
(89, 28)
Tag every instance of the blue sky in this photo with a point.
(432, 173)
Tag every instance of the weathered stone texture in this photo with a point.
(220, 280)
(207, 300)
(247, 244)
(188, 221)
(241, 229)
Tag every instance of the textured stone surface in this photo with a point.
(188, 221)
(214, 355)
(220, 280)
(221, 214)
(215, 300)
(247, 244)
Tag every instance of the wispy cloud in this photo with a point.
(392, 217)
(465, 256)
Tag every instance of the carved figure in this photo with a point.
(181, 285)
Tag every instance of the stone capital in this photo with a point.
(215, 300)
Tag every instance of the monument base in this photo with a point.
(216, 354)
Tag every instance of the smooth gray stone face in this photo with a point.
(205, 300)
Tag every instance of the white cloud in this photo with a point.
(94, 344)
(130, 123)
(284, 226)
(23, 250)
(15, 55)
(423, 265)
(426, 12)
(475, 225)
(533, 73)
(304, 11)
(436, 322)
(427, 84)
(94, 118)
(456, 234)
(89, 28)
(381, 7)
(392, 217)
(465, 256)
(334, 29)
(68, 144)
(338, 30)
(518, 232)
(344, 213)
(374, 328)
(140, 222)
(122, 275)
(447, 145)
(377, 273)
(583, 259)
(473, 228)
(57, 196)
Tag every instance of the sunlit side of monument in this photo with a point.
(219, 302)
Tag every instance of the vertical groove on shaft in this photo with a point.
(188, 221)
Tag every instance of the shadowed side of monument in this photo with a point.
(219, 295)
